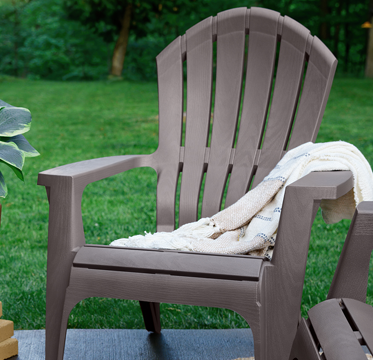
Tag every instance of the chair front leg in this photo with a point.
(65, 236)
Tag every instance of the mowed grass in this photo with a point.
(78, 121)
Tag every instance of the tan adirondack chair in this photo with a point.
(336, 328)
(266, 293)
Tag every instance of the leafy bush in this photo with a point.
(38, 41)
(140, 58)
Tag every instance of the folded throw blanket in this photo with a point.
(250, 225)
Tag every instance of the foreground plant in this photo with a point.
(14, 148)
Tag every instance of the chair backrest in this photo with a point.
(266, 119)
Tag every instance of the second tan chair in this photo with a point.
(337, 328)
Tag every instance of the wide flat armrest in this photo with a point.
(65, 186)
(301, 202)
(88, 171)
(325, 184)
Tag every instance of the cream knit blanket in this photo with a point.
(250, 225)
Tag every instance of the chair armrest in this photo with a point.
(301, 202)
(351, 276)
(324, 184)
(88, 171)
(284, 275)
(65, 186)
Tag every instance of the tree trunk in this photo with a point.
(121, 44)
(369, 64)
(347, 39)
(324, 26)
(337, 31)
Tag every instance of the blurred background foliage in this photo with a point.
(75, 39)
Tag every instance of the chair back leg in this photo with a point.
(151, 314)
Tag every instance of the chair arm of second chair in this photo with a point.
(351, 276)
(336, 328)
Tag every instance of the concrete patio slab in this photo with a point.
(139, 344)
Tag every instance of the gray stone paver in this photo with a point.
(103, 344)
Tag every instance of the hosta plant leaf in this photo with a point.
(13, 157)
(3, 188)
(14, 121)
(22, 145)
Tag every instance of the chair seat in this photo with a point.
(217, 266)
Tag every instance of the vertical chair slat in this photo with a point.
(285, 96)
(229, 72)
(315, 93)
(170, 90)
(258, 84)
(199, 88)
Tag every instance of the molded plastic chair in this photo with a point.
(266, 293)
(341, 324)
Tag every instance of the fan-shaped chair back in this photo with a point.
(243, 125)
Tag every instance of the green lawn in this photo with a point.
(77, 121)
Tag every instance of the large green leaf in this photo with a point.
(3, 188)
(17, 171)
(22, 144)
(13, 157)
(14, 121)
